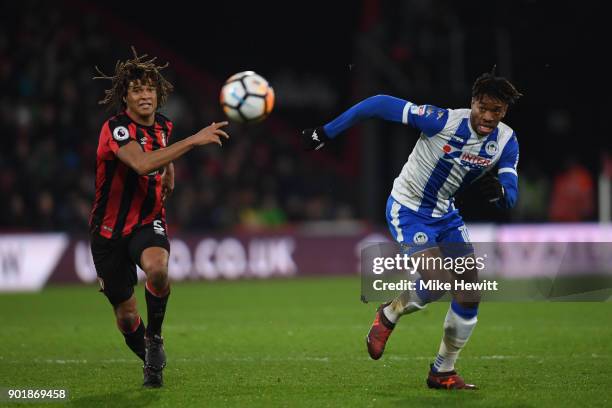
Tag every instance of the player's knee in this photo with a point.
(467, 299)
(156, 269)
(470, 302)
(127, 318)
(127, 323)
(157, 275)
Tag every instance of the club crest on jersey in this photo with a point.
(120, 133)
(491, 148)
(420, 238)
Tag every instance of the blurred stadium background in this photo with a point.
(261, 183)
(260, 207)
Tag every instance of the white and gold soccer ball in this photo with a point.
(247, 97)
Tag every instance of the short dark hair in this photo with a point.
(495, 87)
(132, 70)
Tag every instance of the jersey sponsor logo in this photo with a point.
(143, 140)
(120, 133)
(420, 238)
(473, 160)
(492, 148)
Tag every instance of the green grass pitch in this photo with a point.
(300, 342)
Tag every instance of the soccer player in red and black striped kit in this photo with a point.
(134, 176)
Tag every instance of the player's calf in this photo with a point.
(154, 262)
(134, 338)
(459, 324)
(131, 326)
(407, 302)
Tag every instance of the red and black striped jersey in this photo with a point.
(125, 200)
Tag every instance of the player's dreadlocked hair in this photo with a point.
(132, 70)
(495, 87)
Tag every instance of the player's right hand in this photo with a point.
(314, 139)
(490, 187)
(211, 134)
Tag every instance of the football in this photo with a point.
(247, 97)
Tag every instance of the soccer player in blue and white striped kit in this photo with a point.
(455, 148)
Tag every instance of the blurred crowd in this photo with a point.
(51, 121)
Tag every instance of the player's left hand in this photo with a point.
(167, 182)
(490, 187)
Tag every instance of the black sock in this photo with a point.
(135, 340)
(156, 309)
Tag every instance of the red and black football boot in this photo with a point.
(379, 333)
(449, 380)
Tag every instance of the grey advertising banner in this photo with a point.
(518, 253)
(29, 262)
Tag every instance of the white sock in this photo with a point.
(405, 303)
(457, 331)
(391, 315)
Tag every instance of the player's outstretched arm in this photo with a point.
(380, 106)
(428, 119)
(146, 162)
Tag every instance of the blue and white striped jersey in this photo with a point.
(448, 155)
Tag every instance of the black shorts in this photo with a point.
(116, 260)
